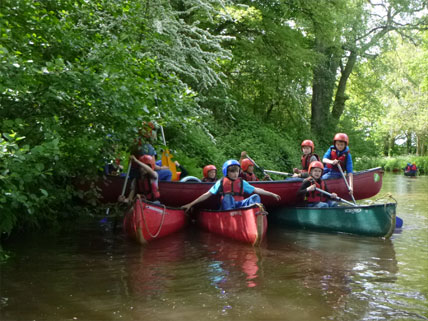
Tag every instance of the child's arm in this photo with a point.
(351, 183)
(243, 156)
(148, 169)
(200, 199)
(329, 161)
(130, 197)
(261, 191)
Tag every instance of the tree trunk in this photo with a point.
(341, 97)
(323, 83)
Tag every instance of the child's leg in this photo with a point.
(331, 174)
(317, 205)
(228, 202)
(253, 199)
(332, 204)
(164, 174)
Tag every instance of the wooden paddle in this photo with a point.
(337, 198)
(346, 181)
(263, 171)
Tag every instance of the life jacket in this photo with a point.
(306, 160)
(235, 188)
(210, 180)
(249, 176)
(413, 168)
(149, 188)
(315, 196)
(342, 158)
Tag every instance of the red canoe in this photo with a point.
(366, 184)
(146, 221)
(247, 224)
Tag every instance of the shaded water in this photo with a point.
(96, 274)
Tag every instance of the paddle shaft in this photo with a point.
(346, 181)
(263, 171)
(338, 198)
(126, 178)
(278, 173)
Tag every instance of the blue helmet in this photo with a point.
(227, 164)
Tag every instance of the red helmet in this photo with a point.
(207, 169)
(308, 142)
(245, 163)
(315, 164)
(147, 159)
(342, 137)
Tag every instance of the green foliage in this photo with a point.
(392, 164)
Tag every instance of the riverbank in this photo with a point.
(393, 164)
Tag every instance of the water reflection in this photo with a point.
(152, 267)
(232, 262)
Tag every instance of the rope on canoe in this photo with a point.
(145, 222)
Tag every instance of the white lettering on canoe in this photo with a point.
(353, 210)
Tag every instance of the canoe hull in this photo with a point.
(147, 221)
(370, 220)
(247, 224)
(410, 173)
(366, 184)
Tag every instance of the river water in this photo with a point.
(97, 274)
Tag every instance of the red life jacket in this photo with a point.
(342, 158)
(149, 188)
(249, 177)
(413, 168)
(235, 188)
(306, 160)
(315, 196)
(210, 180)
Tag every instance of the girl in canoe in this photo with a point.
(338, 154)
(210, 173)
(146, 184)
(247, 167)
(314, 198)
(232, 188)
(308, 157)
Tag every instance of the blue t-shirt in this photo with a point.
(349, 166)
(247, 188)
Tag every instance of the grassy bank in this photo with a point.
(392, 164)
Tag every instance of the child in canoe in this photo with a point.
(247, 167)
(146, 184)
(308, 157)
(338, 154)
(232, 188)
(314, 198)
(210, 173)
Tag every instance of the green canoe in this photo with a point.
(371, 220)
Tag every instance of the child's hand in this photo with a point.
(311, 188)
(296, 170)
(277, 197)
(186, 207)
(133, 158)
(335, 162)
(351, 190)
(123, 199)
(333, 195)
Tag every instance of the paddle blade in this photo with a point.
(167, 161)
(398, 222)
